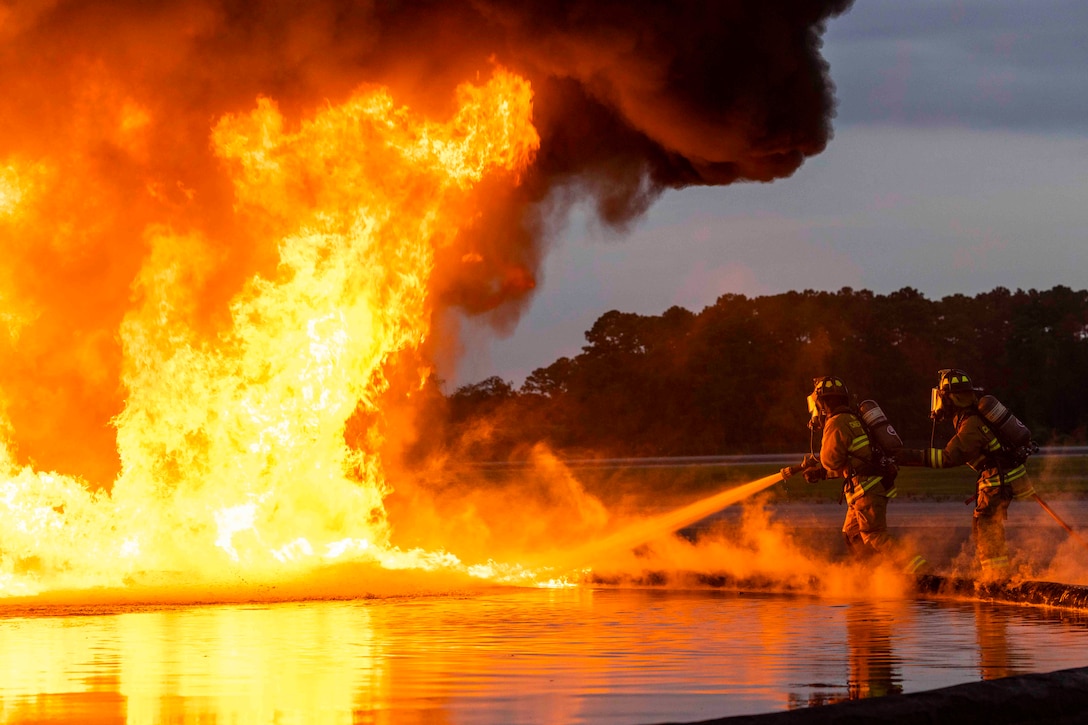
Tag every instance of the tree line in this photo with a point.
(733, 378)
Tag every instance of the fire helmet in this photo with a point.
(955, 391)
(828, 393)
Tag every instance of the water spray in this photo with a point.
(645, 531)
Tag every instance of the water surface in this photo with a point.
(509, 655)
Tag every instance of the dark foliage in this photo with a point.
(733, 378)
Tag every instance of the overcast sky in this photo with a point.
(959, 164)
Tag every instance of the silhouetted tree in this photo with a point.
(733, 377)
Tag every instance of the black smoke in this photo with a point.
(631, 98)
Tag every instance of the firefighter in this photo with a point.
(1000, 480)
(845, 452)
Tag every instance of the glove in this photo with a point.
(810, 461)
(817, 473)
(909, 457)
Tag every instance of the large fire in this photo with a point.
(232, 447)
(226, 268)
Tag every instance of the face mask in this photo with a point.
(815, 420)
(936, 404)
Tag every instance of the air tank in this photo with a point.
(1007, 427)
(880, 429)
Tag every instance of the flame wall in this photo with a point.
(229, 228)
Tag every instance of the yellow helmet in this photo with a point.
(954, 390)
(828, 393)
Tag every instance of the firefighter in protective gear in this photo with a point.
(1000, 480)
(845, 452)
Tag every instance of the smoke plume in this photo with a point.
(109, 105)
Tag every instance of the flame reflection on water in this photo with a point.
(541, 656)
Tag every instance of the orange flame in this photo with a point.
(233, 453)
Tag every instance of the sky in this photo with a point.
(959, 164)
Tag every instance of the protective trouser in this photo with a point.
(866, 527)
(991, 510)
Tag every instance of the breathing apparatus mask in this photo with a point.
(954, 392)
(814, 418)
(828, 393)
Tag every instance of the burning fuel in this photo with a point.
(237, 445)
(236, 238)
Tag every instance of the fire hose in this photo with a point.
(1061, 523)
(809, 463)
(790, 471)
